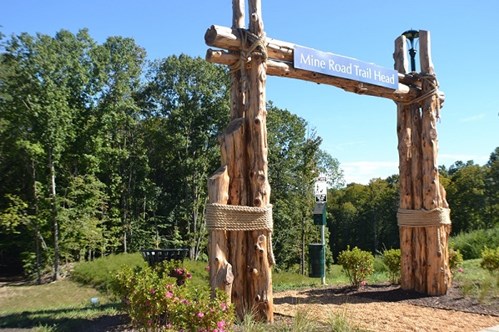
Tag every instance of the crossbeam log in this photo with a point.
(280, 54)
(284, 69)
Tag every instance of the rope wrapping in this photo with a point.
(431, 79)
(222, 217)
(423, 218)
(257, 44)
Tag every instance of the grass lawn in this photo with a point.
(66, 305)
(476, 282)
(60, 306)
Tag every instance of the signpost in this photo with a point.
(341, 66)
(318, 257)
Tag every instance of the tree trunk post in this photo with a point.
(423, 244)
(244, 175)
(260, 258)
(221, 276)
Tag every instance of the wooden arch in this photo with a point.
(240, 259)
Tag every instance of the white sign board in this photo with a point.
(320, 189)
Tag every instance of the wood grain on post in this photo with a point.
(221, 276)
(438, 273)
(404, 134)
(259, 268)
(233, 148)
(424, 252)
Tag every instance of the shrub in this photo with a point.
(357, 265)
(490, 259)
(160, 298)
(100, 272)
(455, 258)
(391, 258)
(471, 244)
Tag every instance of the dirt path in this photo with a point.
(389, 309)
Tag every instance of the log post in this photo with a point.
(242, 264)
(235, 152)
(404, 132)
(437, 254)
(424, 252)
(221, 276)
(259, 266)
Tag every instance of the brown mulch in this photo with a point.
(388, 308)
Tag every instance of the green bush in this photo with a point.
(160, 298)
(490, 259)
(391, 258)
(471, 244)
(455, 258)
(100, 272)
(379, 266)
(357, 265)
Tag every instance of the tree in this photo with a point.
(118, 144)
(46, 91)
(364, 216)
(492, 190)
(466, 196)
(293, 166)
(187, 107)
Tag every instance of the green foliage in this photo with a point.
(475, 282)
(357, 265)
(100, 272)
(471, 244)
(339, 322)
(364, 216)
(490, 259)
(295, 160)
(155, 300)
(391, 258)
(98, 157)
(455, 259)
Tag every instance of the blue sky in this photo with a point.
(360, 131)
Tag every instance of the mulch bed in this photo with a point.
(453, 300)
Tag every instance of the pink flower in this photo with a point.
(223, 306)
(221, 324)
(200, 314)
(168, 294)
(152, 291)
(189, 276)
(461, 270)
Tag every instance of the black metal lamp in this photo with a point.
(411, 35)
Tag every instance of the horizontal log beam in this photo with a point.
(224, 37)
(284, 69)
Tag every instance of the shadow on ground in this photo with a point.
(48, 318)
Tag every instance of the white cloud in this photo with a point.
(363, 171)
(473, 118)
(448, 159)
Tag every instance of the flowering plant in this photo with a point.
(161, 299)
